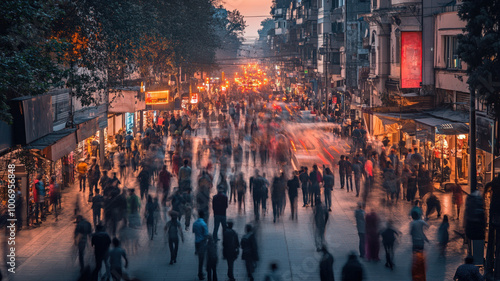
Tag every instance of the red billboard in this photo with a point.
(411, 59)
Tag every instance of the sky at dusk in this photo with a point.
(251, 8)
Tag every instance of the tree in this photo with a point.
(479, 46)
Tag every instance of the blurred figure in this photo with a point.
(249, 251)
(133, 208)
(256, 188)
(82, 232)
(143, 178)
(443, 236)
(457, 197)
(97, 205)
(150, 214)
(329, 182)
(315, 178)
(320, 221)
(388, 238)
(326, 266)
(101, 242)
(82, 168)
(241, 188)
(185, 176)
(304, 180)
(219, 206)
(358, 172)
(293, 187)
(211, 259)
(115, 260)
(230, 249)
(173, 230)
(54, 193)
(433, 203)
(200, 231)
(417, 226)
(273, 274)
(353, 270)
(164, 180)
(468, 271)
(372, 237)
(359, 214)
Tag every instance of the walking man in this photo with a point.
(230, 249)
(359, 214)
(101, 242)
(293, 187)
(304, 180)
(219, 206)
(256, 188)
(200, 231)
(250, 253)
(342, 174)
(82, 232)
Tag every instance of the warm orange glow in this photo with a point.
(328, 153)
(157, 97)
(323, 159)
(293, 145)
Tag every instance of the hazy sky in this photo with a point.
(251, 8)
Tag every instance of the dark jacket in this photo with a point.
(293, 186)
(352, 270)
(249, 247)
(326, 268)
(219, 204)
(230, 244)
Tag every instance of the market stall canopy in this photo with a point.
(56, 144)
(452, 129)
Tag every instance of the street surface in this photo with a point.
(48, 253)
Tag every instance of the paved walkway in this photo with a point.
(47, 252)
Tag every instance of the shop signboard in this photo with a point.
(194, 98)
(411, 59)
(125, 101)
(129, 121)
(484, 133)
(157, 97)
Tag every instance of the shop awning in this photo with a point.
(56, 145)
(452, 129)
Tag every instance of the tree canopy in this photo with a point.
(91, 46)
(479, 46)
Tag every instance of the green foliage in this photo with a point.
(479, 46)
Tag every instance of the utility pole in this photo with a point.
(472, 142)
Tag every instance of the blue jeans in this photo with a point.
(218, 219)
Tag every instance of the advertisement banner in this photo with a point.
(411, 59)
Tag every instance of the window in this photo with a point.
(320, 4)
(373, 58)
(450, 53)
(320, 28)
(335, 58)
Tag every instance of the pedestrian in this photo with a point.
(187, 207)
(143, 179)
(256, 188)
(348, 173)
(418, 237)
(230, 249)
(250, 252)
(172, 231)
(82, 232)
(219, 206)
(55, 194)
(133, 208)
(94, 175)
(329, 182)
(433, 203)
(315, 178)
(38, 190)
(412, 186)
(211, 259)
(359, 214)
(150, 215)
(443, 235)
(372, 237)
(468, 271)
(388, 238)
(185, 176)
(357, 170)
(232, 180)
(82, 168)
(200, 231)
(273, 274)
(353, 270)
(326, 266)
(320, 221)
(342, 171)
(97, 206)
(241, 188)
(293, 187)
(265, 193)
(164, 180)
(304, 180)
(115, 260)
(101, 242)
(457, 197)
